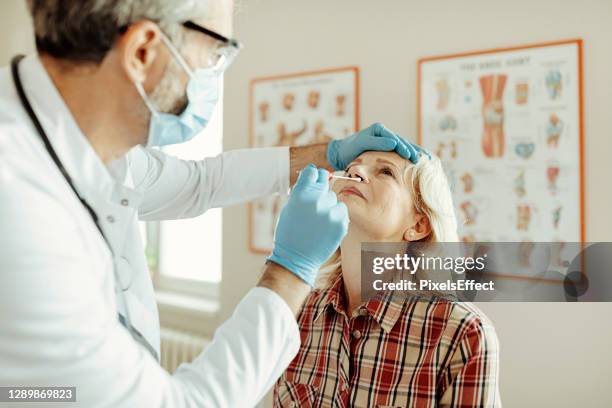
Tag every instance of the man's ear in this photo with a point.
(420, 229)
(140, 52)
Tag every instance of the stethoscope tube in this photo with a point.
(124, 320)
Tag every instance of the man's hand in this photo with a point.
(341, 152)
(310, 227)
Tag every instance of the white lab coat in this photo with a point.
(58, 306)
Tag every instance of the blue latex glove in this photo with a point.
(341, 152)
(310, 227)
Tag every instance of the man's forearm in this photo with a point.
(302, 156)
(292, 289)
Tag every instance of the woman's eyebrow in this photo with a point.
(388, 162)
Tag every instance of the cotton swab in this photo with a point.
(332, 175)
(355, 179)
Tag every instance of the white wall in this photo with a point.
(552, 355)
(15, 30)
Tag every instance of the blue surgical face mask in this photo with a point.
(202, 96)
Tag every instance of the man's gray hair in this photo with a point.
(85, 30)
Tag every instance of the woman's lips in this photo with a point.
(352, 190)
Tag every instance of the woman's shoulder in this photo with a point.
(473, 326)
(460, 318)
(470, 312)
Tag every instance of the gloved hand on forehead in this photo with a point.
(341, 152)
(310, 227)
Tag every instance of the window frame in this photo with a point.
(189, 288)
(161, 282)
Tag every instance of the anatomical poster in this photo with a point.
(297, 109)
(507, 125)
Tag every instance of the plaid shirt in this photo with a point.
(392, 352)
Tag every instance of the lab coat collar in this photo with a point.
(109, 197)
(74, 150)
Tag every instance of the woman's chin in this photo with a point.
(356, 211)
(354, 204)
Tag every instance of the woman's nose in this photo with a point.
(358, 171)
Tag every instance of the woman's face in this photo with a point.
(381, 206)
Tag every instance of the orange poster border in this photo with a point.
(579, 48)
(252, 83)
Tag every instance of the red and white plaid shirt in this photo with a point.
(392, 352)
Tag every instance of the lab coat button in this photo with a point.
(110, 219)
(125, 273)
(125, 202)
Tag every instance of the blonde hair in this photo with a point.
(432, 197)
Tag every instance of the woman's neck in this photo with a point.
(351, 267)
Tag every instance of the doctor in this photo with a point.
(78, 123)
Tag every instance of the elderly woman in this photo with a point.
(390, 351)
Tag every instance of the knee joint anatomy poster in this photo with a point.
(507, 125)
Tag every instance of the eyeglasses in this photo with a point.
(219, 59)
(225, 52)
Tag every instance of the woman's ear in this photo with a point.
(139, 53)
(420, 229)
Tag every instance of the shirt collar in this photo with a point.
(385, 309)
(334, 297)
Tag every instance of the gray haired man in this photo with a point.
(79, 125)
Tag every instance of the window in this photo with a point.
(185, 255)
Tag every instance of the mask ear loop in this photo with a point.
(177, 55)
(145, 98)
(181, 62)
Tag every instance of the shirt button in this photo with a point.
(344, 387)
(125, 202)
(356, 334)
(363, 311)
(110, 219)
